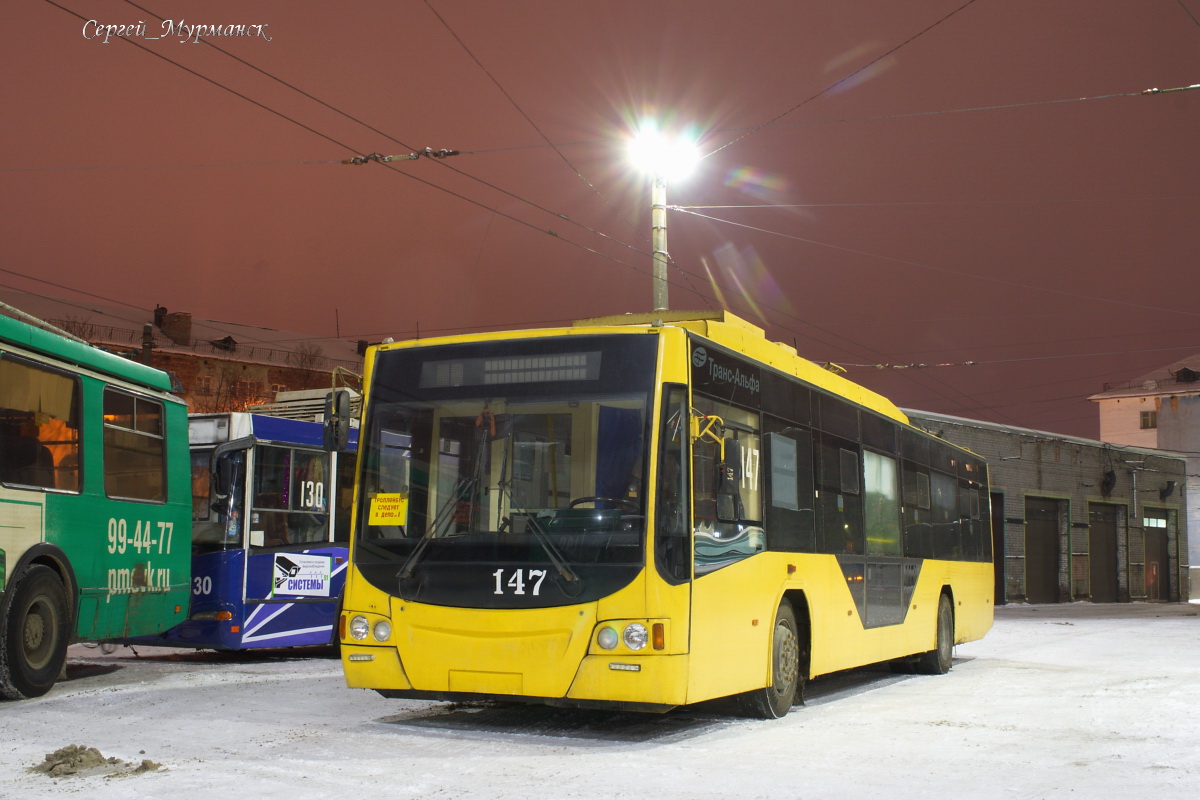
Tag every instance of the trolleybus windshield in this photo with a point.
(507, 480)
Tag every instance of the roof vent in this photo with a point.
(1187, 375)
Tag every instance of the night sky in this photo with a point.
(886, 183)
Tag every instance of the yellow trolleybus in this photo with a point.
(646, 512)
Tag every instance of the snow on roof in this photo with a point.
(122, 326)
(1179, 377)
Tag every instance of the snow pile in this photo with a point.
(77, 760)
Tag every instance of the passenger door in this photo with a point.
(294, 573)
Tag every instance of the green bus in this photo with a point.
(95, 503)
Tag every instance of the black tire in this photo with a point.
(938, 660)
(787, 670)
(36, 631)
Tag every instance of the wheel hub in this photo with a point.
(787, 659)
(34, 635)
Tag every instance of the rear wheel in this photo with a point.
(938, 660)
(36, 630)
(787, 675)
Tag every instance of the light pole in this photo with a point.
(661, 158)
(658, 239)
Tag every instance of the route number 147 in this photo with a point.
(518, 580)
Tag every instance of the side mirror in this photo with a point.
(226, 473)
(729, 481)
(337, 421)
(223, 474)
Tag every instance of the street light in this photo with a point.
(663, 159)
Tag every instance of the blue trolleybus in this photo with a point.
(270, 531)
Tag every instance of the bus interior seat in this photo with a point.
(25, 460)
(275, 524)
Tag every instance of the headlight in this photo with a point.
(382, 630)
(359, 627)
(635, 636)
(607, 638)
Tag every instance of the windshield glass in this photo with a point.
(507, 474)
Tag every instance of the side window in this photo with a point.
(739, 476)
(881, 504)
(672, 538)
(343, 500)
(916, 486)
(39, 427)
(134, 452)
(789, 512)
(918, 533)
(944, 519)
(727, 485)
(389, 472)
(839, 501)
(217, 500)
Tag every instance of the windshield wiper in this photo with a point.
(462, 488)
(465, 486)
(552, 552)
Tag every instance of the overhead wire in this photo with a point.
(373, 129)
(774, 122)
(843, 79)
(876, 117)
(1157, 334)
(918, 203)
(994, 107)
(410, 176)
(477, 203)
(533, 124)
(217, 324)
(240, 330)
(92, 168)
(389, 166)
(557, 149)
(968, 400)
(345, 146)
(946, 270)
(1188, 11)
(992, 362)
(512, 101)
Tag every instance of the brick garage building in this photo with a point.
(1076, 519)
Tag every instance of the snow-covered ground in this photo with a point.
(1079, 700)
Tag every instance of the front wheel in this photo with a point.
(938, 660)
(776, 700)
(36, 630)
